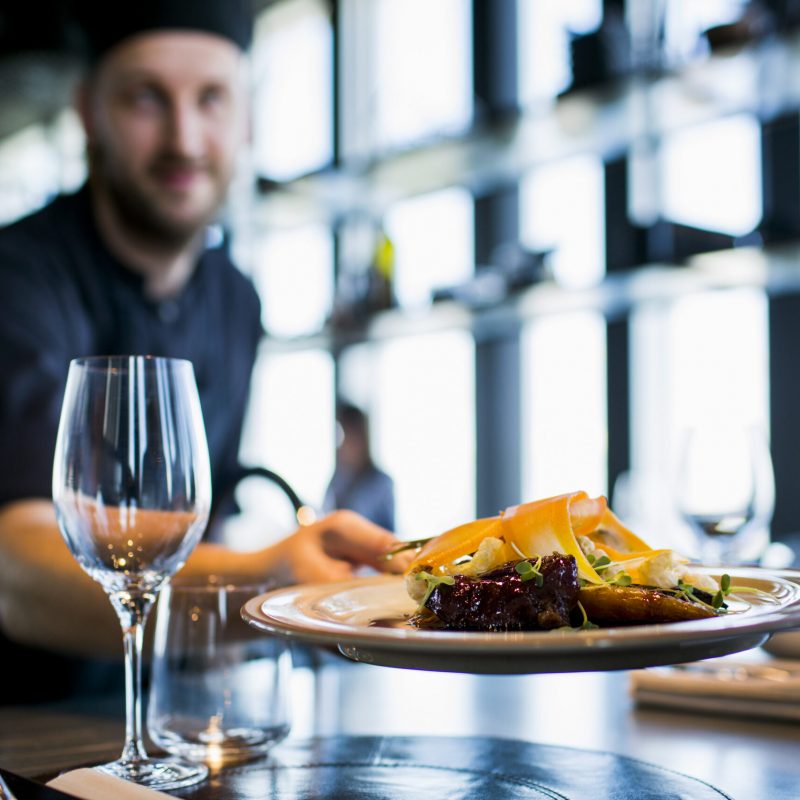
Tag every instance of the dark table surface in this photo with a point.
(364, 732)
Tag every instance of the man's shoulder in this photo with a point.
(43, 230)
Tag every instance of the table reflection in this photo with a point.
(748, 758)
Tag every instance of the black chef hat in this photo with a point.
(108, 23)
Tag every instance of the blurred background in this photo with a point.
(534, 240)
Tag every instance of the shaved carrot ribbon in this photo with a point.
(542, 527)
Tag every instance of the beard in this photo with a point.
(143, 210)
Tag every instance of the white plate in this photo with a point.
(364, 618)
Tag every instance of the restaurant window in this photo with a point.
(292, 99)
(418, 84)
(68, 138)
(544, 30)
(703, 359)
(561, 209)
(356, 368)
(720, 365)
(433, 239)
(424, 428)
(416, 406)
(38, 162)
(293, 272)
(290, 429)
(711, 175)
(564, 405)
(718, 344)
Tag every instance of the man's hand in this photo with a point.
(331, 548)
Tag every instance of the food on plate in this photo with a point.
(502, 599)
(564, 561)
(617, 605)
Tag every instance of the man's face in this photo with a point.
(165, 117)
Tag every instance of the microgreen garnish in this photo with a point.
(598, 563)
(727, 588)
(530, 572)
(433, 582)
(586, 625)
(685, 591)
(718, 600)
(764, 597)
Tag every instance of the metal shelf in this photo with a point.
(775, 270)
(762, 79)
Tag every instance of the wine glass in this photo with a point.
(725, 488)
(132, 493)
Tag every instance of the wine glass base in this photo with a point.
(156, 773)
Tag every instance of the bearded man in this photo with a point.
(125, 266)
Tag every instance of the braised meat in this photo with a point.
(505, 600)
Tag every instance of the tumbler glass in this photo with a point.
(220, 691)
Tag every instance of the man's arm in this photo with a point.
(326, 550)
(47, 600)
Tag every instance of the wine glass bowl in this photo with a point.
(725, 488)
(132, 493)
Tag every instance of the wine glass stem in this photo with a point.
(132, 612)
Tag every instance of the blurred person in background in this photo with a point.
(357, 483)
(125, 266)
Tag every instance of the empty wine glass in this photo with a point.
(132, 492)
(725, 488)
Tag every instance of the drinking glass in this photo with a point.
(132, 492)
(725, 488)
(5, 792)
(219, 690)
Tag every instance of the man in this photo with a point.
(122, 267)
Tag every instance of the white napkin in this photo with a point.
(768, 688)
(91, 784)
